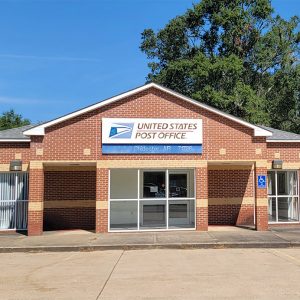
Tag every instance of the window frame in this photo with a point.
(277, 196)
(140, 199)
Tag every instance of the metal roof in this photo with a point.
(281, 136)
(15, 134)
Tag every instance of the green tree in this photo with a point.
(10, 119)
(234, 55)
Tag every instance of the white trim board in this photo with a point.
(40, 129)
(283, 141)
(14, 140)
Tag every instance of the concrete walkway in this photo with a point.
(216, 237)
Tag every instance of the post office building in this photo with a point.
(148, 159)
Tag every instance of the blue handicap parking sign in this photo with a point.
(261, 181)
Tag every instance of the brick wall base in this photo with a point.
(262, 218)
(69, 218)
(35, 222)
(201, 219)
(231, 214)
(101, 220)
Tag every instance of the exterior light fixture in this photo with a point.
(277, 164)
(15, 165)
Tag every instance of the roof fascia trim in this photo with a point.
(258, 131)
(14, 140)
(283, 141)
(40, 129)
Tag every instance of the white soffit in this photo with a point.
(40, 129)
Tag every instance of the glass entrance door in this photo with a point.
(153, 204)
(181, 210)
(180, 213)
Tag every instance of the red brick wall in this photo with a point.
(102, 195)
(8, 151)
(36, 196)
(201, 195)
(261, 211)
(230, 184)
(66, 141)
(69, 218)
(288, 151)
(222, 183)
(231, 214)
(70, 185)
(74, 186)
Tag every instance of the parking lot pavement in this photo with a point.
(152, 274)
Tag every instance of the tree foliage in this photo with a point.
(10, 119)
(235, 55)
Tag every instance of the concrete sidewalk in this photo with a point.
(216, 237)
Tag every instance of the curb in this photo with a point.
(90, 248)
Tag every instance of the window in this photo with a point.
(178, 185)
(151, 199)
(283, 197)
(154, 214)
(177, 210)
(154, 184)
(13, 200)
(123, 215)
(123, 184)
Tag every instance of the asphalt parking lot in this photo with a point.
(152, 274)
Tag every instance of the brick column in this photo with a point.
(101, 200)
(36, 198)
(201, 174)
(261, 199)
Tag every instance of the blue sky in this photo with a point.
(60, 55)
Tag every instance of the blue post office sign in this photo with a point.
(261, 181)
(151, 136)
